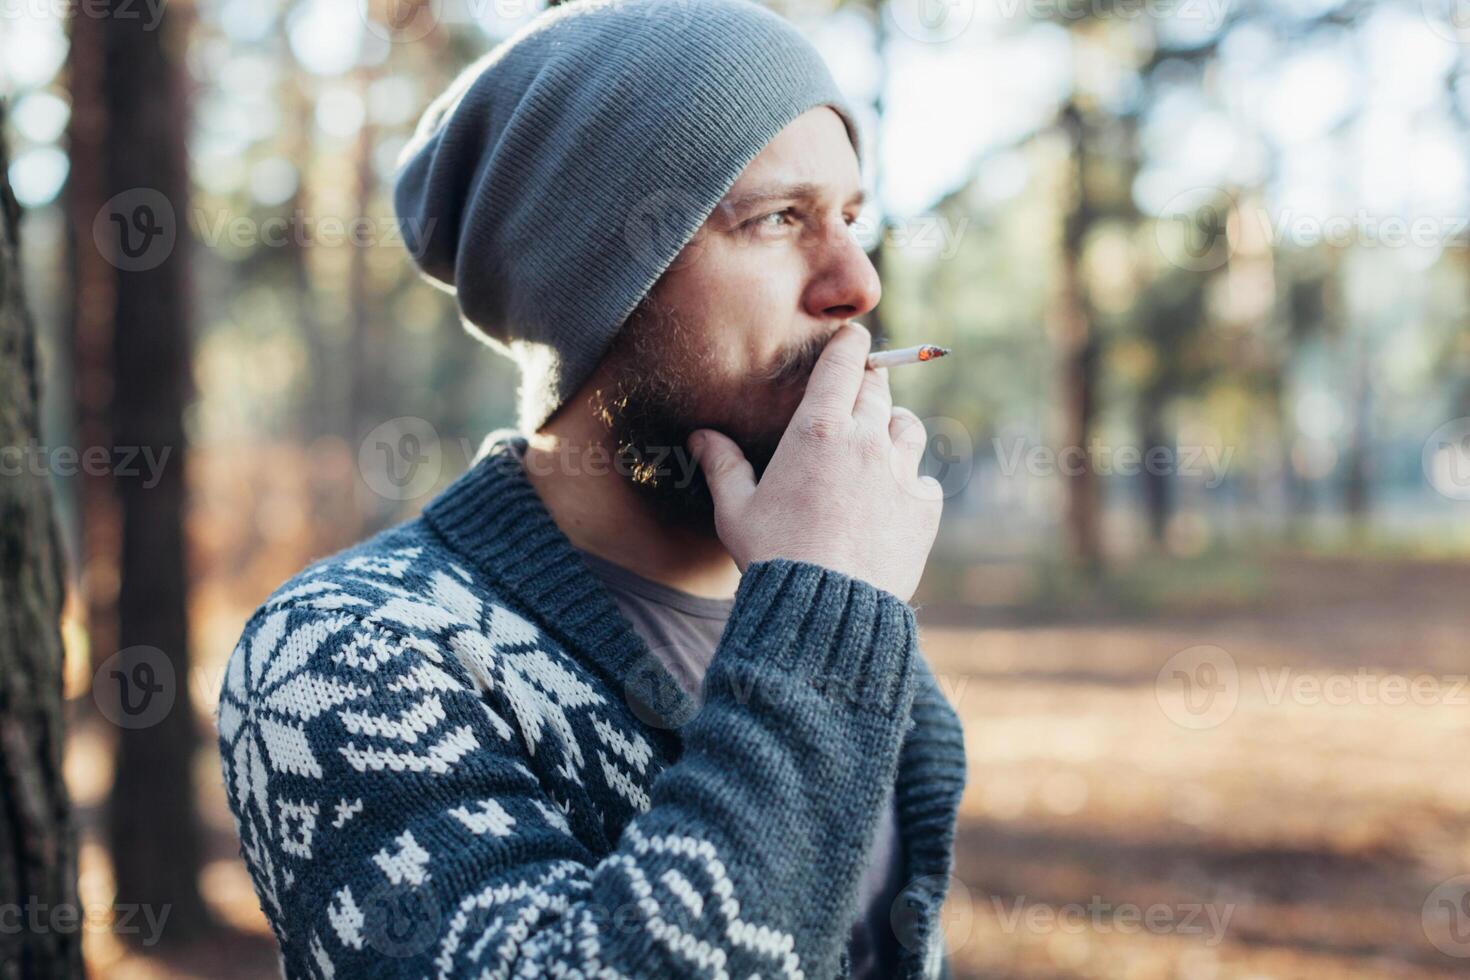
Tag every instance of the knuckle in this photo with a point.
(819, 428)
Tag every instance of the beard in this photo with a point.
(664, 383)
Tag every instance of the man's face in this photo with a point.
(730, 334)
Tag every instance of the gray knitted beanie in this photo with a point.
(561, 174)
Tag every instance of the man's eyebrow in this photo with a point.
(801, 191)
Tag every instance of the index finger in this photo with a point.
(837, 377)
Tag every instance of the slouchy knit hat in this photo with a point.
(558, 177)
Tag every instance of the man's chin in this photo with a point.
(665, 475)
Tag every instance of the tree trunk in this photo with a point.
(90, 337)
(369, 338)
(1079, 356)
(37, 840)
(1158, 485)
(323, 400)
(1357, 485)
(153, 834)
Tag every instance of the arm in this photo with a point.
(393, 826)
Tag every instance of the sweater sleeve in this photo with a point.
(381, 772)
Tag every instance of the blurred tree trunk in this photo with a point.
(1357, 485)
(323, 402)
(1078, 351)
(153, 832)
(1158, 486)
(369, 339)
(90, 336)
(37, 839)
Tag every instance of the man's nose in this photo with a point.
(844, 283)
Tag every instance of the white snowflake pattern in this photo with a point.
(269, 697)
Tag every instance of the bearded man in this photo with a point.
(640, 694)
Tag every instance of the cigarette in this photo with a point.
(906, 355)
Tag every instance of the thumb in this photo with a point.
(729, 474)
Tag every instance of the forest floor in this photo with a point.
(1303, 814)
(1300, 810)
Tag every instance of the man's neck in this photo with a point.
(599, 512)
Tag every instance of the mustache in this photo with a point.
(795, 364)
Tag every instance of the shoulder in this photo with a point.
(396, 612)
(407, 558)
(403, 580)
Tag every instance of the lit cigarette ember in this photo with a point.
(906, 355)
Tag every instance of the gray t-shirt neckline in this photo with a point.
(705, 607)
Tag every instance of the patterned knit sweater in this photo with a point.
(449, 755)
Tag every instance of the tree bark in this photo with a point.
(37, 840)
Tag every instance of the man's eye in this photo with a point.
(764, 221)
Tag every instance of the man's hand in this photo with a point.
(842, 489)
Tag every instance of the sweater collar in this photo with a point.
(493, 516)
